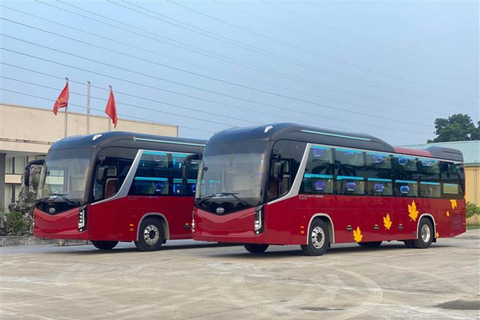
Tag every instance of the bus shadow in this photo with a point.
(88, 249)
(295, 251)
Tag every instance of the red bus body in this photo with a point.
(113, 210)
(286, 219)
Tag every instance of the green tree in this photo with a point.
(458, 127)
(472, 209)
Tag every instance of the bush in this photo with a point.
(472, 209)
(15, 224)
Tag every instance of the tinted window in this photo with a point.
(406, 188)
(349, 162)
(350, 185)
(318, 176)
(160, 173)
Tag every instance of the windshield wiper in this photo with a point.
(63, 196)
(41, 200)
(224, 194)
(202, 200)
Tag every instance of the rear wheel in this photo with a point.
(151, 235)
(256, 248)
(373, 244)
(425, 234)
(104, 245)
(318, 239)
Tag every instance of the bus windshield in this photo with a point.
(232, 178)
(65, 174)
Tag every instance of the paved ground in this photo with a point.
(188, 280)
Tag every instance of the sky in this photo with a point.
(385, 68)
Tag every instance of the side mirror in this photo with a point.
(191, 159)
(102, 173)
(277, 171)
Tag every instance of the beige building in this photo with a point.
(27, 133)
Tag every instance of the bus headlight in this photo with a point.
(82, 219)
(259, 220)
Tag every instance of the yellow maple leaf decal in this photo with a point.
(454, 203)
(448, 213)
(413, 213)
(436, 235)
(387, 222)
(357, 235)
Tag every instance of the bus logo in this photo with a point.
(220, 210)
(51, 210)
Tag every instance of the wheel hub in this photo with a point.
(151, 234)
(318, 237)
(426, 233)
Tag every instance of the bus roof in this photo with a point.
(128, 140)
(292, 131)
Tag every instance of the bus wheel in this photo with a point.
(256, 248)
(151, 236)
(373, 244)
(104, 245)
(318, 240)
(425, 235)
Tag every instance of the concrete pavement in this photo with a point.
(187, 280)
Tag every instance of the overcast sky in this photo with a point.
(386, 68)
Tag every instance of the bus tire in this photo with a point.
(318, 240)
(104, 245)
(151, 235)
(372, 244)
(425, 234)
(255, 248)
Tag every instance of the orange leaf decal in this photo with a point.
(412, 210)
(387, 222)
(357, 235)
(454, 203)
(436, 235)
(448, 213)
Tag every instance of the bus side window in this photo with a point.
(281, 151)
(318, 175)
(378, 171)
(452, 180)
(152, 174)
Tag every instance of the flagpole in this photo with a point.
(109, 122)
(66, 115)
(88, 107)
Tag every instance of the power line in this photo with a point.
(135, 106)
(148, 86)
(184, 61)
(380, 85)
(326, 40)
(185, 85)
(222, 57)
(219, 80)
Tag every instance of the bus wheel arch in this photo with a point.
(152, 232)
(430, 217)
(318, 237)
(326, 218)
(425, 233)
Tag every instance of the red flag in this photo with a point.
(62, 100)
(111, 109)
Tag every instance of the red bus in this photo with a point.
(287, 184)
(118, 186)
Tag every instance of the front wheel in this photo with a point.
(256, 248)
(151, 235)
(318, 239)
(425, 234)
(104, 245)
(373, 244)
